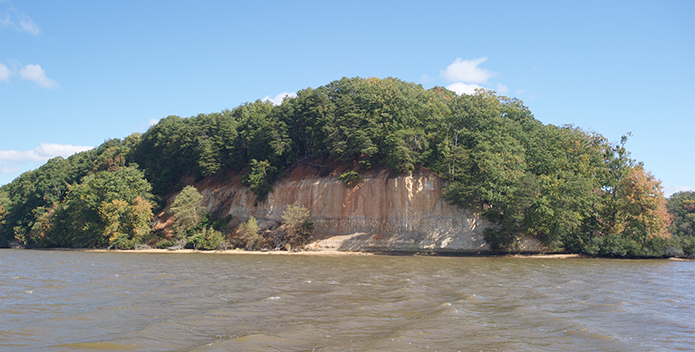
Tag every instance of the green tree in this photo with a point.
(259, 178)
(569, 188)
(187, 207)
(101, 206)
(125, 224)
(681, 207)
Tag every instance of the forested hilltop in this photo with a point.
(572, 189)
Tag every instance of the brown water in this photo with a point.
(66, 301)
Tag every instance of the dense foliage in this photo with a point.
(572, 189)
(681, 206)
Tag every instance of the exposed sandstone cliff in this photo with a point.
(383, 213)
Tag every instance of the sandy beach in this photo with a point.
(332, 252)
(327, 252)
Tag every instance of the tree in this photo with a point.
(569, 188)
(187, 207)
(643, 210)
(681, 207)
(259, 178)
(125, 224)
(103, 207)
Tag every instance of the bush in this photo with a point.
(501, 240)
(122, 241)
(350, 179)
(248, 236)
(298, 225)
(207, 239)
(163, 244)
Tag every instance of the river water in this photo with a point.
(85, 301)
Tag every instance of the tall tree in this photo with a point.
(187, 207)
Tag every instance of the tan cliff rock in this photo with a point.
(383, 213)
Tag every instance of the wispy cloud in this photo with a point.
(32, 72)
(5, 20)
(17, 20)
(9, 170)
(37, 75)
(279, 98)
(502, 89)
(467, 71)
(5, 73)
(10, 160)
(29, 26)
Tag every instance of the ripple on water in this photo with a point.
(123, 301)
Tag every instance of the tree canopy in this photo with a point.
(572, 189)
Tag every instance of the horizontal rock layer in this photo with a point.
(382, 213)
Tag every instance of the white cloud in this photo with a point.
(19, 21)
(37, 75)
(502, 89)
(29, 26)
(467, 71)
(278, 98)
(153, 122)
(463, 88)
(8, 170)
(4, 73)
(10, 158)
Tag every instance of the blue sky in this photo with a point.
(73, 74)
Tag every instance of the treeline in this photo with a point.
(572, 189)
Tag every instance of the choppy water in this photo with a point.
(66, 301)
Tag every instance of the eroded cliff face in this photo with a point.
(383, 213)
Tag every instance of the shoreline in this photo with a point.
(335, 253)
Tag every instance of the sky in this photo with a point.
(74, 74)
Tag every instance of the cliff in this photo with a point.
(382, 213)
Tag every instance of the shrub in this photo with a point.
(165, 243)
(350, 179)
(121, 241)
(248, 236)
(260, 178)
(208, 239)
(298, 225)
